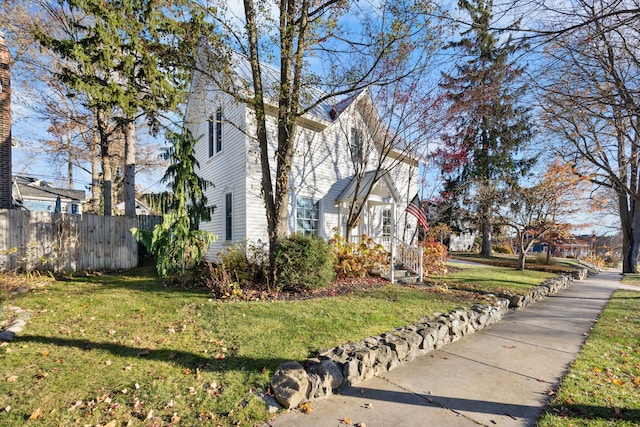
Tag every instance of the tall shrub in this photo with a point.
(176, 243)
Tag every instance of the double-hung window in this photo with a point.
(307, 216)
(386, 223)
(215, 133)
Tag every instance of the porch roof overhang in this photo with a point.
(376, 191)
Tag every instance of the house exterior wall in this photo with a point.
(49, 205)
(226, 169)
(322, 167)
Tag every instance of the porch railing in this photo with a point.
(408, 256)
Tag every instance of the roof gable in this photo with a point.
(381, 189)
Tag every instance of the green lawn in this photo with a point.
(127, 350)
(493, 279)
(631, 279)
(602, 387)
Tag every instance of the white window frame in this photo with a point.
(314, 223)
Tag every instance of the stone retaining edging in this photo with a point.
(14, 327)
(332, 369)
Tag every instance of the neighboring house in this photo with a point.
(141, 208)
(328, 151)
(34, 194)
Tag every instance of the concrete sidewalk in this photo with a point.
(500, 376)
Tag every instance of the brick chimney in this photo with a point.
(5, 127)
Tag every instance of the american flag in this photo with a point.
(415, 209)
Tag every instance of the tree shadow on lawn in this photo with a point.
(107, 282)
(593, 413)
(177, 357)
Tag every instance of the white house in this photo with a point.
(330, 147)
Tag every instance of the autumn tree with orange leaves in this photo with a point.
(541, 211)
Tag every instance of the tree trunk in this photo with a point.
(522, 252)
(548, 261)
(69, 161)
(130, 169)
(485, 226)
(106, 163)
(630, 227)
(106, 180)
(95, 175)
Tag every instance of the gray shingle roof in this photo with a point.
(34, 188)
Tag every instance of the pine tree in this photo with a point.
(129, 58)
(486, 127)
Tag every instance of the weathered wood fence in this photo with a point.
(65, 242)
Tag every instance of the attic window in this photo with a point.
(215, 133)
(356, 146)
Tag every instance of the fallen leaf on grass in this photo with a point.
(12, 379)
(111, 423)
(37, 413)
(618, 382)
(44, 353)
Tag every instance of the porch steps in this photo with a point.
(403, 276)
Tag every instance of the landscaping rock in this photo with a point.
(352, 363)
(290, 384)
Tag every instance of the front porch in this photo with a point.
(373, 201)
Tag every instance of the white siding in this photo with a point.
(321, 168)
(256, 214)
(225, 169)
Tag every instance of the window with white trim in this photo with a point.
(386, 223)
(356, 146)
(215, 133)
(228, 216)
(307, 216)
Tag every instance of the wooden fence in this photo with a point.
(65, 242)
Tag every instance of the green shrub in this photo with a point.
(502, 249)
(303, 263)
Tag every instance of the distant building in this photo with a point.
(34, 194)
(141, 208)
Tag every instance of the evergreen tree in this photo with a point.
(129, 58)
(176, 243)
(486, 127)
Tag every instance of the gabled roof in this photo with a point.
(34, 188)
(383, 188)
(327, 110)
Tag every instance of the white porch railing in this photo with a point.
(408, 256)
(402, 252)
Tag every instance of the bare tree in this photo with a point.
(591, 107)
(298, 34)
